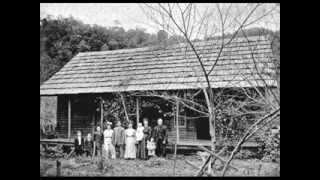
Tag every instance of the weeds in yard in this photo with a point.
(83, 166)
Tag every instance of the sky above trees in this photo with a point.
(126, 15)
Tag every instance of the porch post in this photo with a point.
(138, 115)
(177, 122)
(93, 120)
(101, 113)
(69, 117)
(177, 137)
(185, 112)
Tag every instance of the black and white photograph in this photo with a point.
(159, 89)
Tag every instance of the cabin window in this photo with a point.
(182, 121)
(182, 115)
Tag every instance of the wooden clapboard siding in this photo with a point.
(62, 116)
(185, 133)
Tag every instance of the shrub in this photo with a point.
(269, 145)
(245, 154)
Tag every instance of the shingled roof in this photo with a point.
(165, 68)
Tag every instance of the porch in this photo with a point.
(207, 143)
(181, 143)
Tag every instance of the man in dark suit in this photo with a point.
(78, 144)
(160, 136)
(118, 139)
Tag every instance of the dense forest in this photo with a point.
(62, 38)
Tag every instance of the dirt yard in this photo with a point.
(152, 167)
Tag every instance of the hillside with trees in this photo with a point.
(62, 38)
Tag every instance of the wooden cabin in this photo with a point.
(174, 68)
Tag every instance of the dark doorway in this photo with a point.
(152, 114)
(202, 126)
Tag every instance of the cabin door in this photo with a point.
(152, 114)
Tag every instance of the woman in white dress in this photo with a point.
(130, 151)
(108, 146)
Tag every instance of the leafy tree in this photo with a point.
(105, 47)
(162, 36)
(83, 46)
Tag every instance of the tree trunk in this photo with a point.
(209, 100)
(211, 118)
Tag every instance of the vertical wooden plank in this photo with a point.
(93, 117)
(69, 117)
(101, 113)
(124, 106)
(138, 109)
(101, 128)
(177, 121)
(185, 112)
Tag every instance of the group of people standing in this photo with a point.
(142, 142)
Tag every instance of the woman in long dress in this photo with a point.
(130, 150)
(108, 146)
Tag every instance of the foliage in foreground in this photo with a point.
(270, 145)
(152, 167)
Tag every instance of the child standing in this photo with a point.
(88, 145)
(78, 144)
(139, 137)
(151, 146)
